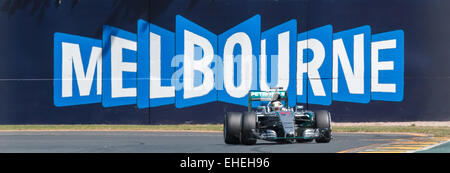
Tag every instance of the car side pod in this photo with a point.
(232, 127)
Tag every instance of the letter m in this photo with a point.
(80, 59)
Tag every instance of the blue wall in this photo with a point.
(26, 53)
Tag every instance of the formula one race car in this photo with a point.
(276, 122)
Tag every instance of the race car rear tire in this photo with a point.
(248, 124)
(323, 123)
(232, 127)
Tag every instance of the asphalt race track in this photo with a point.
(169, 142)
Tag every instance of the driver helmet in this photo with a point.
(276, 105)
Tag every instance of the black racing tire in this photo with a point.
(248, 124)
(325, 137)
(232, 127)
(323, 123)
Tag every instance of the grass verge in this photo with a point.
(435, 131)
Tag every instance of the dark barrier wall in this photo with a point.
(27, 55)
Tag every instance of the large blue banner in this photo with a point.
(192, 61)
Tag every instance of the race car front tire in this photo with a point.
(248, 124)
(323, 123)
(232, 127)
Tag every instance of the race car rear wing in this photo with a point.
(265, 96)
